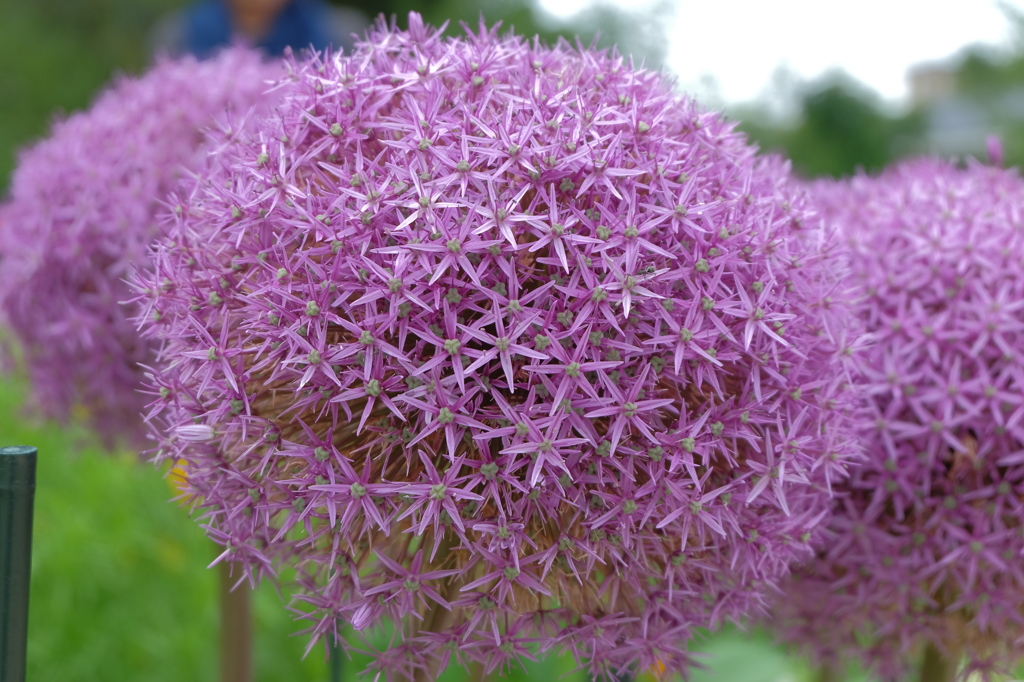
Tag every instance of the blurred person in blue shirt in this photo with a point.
(270, 25)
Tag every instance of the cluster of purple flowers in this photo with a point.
(507, 345)
(925, 545)
(81, 213)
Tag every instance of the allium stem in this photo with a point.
(829, 673)
(439, 617)
(476, 673)
(336, 660)
(438, 620)
(939, 667)
(235, 628)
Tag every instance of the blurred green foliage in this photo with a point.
(840, 126)
(54, 56)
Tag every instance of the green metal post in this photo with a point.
(17, 491)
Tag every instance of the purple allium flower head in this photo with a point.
(507, 344)
(81, 212)
(925, 546)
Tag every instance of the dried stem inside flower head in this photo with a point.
(513, 418)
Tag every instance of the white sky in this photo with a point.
(742, 44)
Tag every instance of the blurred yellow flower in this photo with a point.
(655, 673)
(177, 479)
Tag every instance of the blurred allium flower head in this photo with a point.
(81, 212)
(507, 344)
(926, 544)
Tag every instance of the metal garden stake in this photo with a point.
(17, 490)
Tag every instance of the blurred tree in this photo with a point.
(840, 126)
(843, 128)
